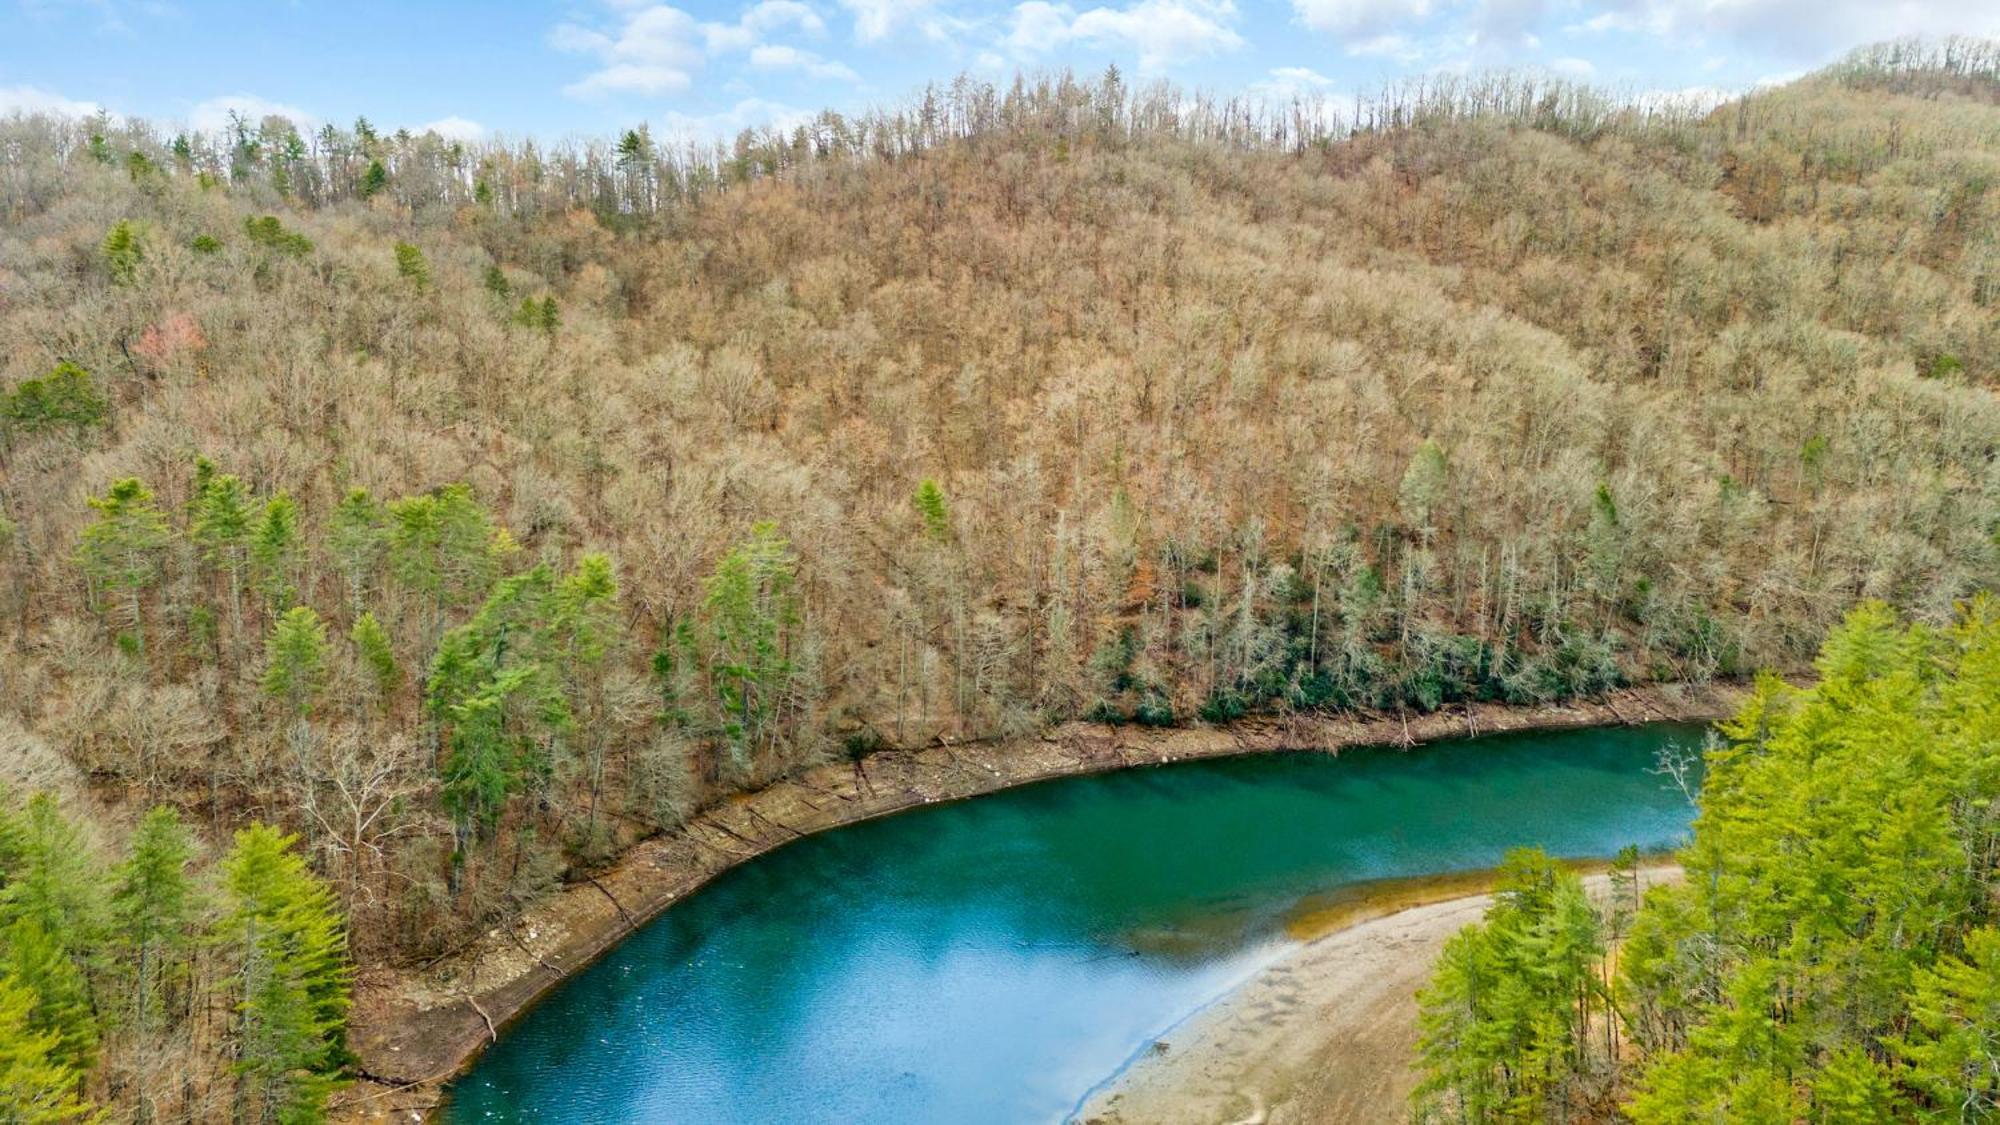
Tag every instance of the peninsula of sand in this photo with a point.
(1326, 1033)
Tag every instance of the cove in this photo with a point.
(990, 960)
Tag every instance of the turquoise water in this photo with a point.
(991, 960)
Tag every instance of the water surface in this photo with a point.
(991, 960)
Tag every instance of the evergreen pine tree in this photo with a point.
(291, 976)
(124, 549)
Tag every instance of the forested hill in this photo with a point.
(469, 510)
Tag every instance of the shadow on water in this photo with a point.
(988, 960)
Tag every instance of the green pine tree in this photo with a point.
(411, 266)
(378, 658)
(295, 661)
(123, 252)
(64, 399)
(220, 525)
(36, 1086)
(291, 976)
(356, 538)
(931, 508)
(374, 179)
(153, 912)
(276, 544)
(124, 550)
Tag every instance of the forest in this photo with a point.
(392, 528)
(1832, 954)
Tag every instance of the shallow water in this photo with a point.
(991, 960)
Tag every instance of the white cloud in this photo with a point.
(1798, 29)
(1574, 67)
(773, 56)
(1399, 47)
(1039, 26)
(1301, 75)
(656, 51)
(1300, 85)
(30, 99)
(1163, 32)
(212, 116)
(1359, 17)
(750, 113)
(875, 20)
(453, 128)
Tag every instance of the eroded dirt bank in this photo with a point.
(1325, 1034)
(414, 1028)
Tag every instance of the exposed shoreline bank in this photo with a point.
(415, 1028)
(1326, 1032)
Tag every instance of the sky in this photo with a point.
(556, 69)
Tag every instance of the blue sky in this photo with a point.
(564, 68)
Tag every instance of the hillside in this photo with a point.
(472, 511)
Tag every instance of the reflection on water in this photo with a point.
(990, 960)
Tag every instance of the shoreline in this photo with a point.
(414, 1028)
(1325, 1031)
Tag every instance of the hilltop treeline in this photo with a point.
(471, 510)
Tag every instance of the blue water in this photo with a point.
(991, 960)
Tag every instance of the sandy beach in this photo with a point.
(1325, 1033)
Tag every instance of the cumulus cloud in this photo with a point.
(771, 56)
(1359, 17)
(31, 99)
(1399, 47)
(453, 128)
(1293, 84)
(212, 116)
(1163, 32)
(750, 113)
(658, 49)
(876, 20)
(1800, 29)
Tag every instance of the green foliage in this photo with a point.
(1952, 1050)
(295, 660)
(66, 398)
(374, 180)
(36, 1086)
(357, 537)
(1831, 954)
(124, 549)
(930, 505)
(1424, 484)
(496, 282)
(276, 547)
(377, 656)
(743, 639)
(506, 684)
(285, 941)
(1500, 1018)
(411, 265)
(123, 252)
(268, 232)
(153, 911)
(205, 244)
(219, 524)
(444, 546)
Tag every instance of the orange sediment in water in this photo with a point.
(1318, 915)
